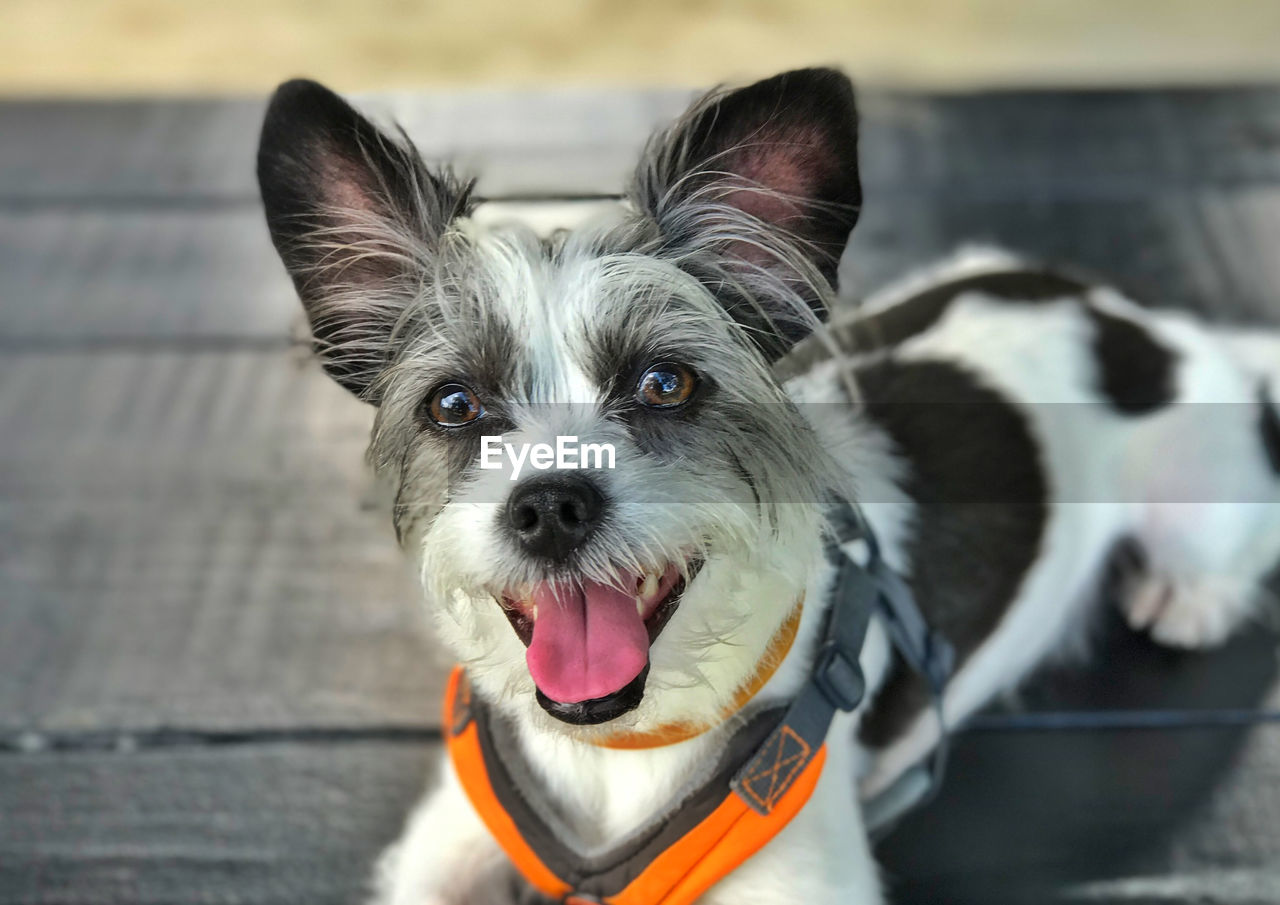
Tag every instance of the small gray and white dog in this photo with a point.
(1005, 429)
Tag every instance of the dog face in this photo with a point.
(649, 581)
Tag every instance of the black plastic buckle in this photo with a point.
(839, 678)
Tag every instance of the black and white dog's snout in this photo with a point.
(552, 515)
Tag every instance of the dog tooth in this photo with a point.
(640, 606)
(650, 585)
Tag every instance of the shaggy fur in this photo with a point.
(1003, 429)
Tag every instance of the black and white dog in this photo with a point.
(1003, 428)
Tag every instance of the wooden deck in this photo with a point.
(215, 686)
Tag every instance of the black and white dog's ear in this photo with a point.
(766, 177)
(356, 215)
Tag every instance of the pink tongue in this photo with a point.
(588, 642)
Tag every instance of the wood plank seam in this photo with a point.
(32, 741)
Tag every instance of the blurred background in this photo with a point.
(81, 47)
(214, 681)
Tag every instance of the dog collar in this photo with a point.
(762, 778)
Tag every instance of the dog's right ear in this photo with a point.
(356, 216)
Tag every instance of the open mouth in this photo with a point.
(588, 643)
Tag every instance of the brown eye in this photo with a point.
(666, 385)
(454, 405)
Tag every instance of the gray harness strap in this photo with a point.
(836, 682)
(924, 650)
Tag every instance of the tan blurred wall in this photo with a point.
(179, 46)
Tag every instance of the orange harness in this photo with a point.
(714, 830)
(764, 775)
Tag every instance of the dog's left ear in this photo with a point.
(765, 181)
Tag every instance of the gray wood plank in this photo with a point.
(1031, 818)
(140, 276)
(191, 541)
(167, 151)
(253, 825)
(201, 152)
(584, 142)
(95, 275)
(1080, 144)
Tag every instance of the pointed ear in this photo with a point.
(765, 178)
(356, 216)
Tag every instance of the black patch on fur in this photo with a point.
(1269, 427)
(898, 323)
(918, 313)
(981, 498)
(1134, 370)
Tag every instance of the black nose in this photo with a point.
(553, 514)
